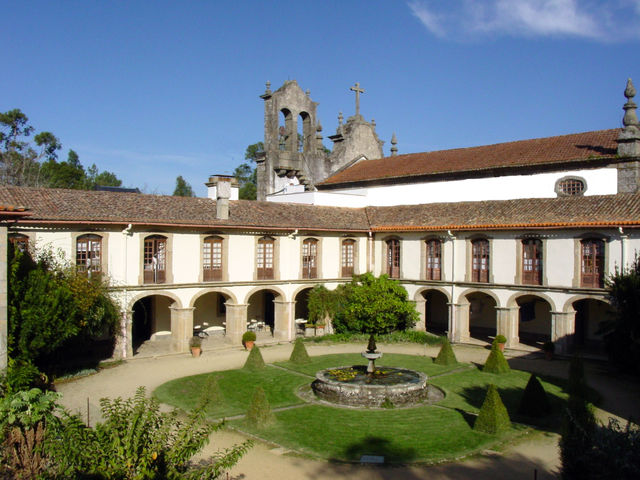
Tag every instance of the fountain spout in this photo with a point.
(371, 354)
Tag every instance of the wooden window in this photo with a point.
(348, 257)
(434, 259)
(21, 242)
(570, 186)
(155, 259)
(592, 263)
(264, 258)
(89, 254)
(310, 258)
(212, 259)
(532, 261)
(480, 260)
(393, 258)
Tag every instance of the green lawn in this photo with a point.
(421, 434)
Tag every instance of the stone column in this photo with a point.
(563, 327)
(124, 337)
(236, 319)
(284, 328)
(421, 308)
(458, 322)
(507, 324)
(181, 328)
(4, 317)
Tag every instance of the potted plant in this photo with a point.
(500, 340)
(310, 330)
(248, 339)
(196, 346)
(549, 349)
(320, 328)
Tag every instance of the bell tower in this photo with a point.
(293, 156)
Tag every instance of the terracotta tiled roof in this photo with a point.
(537, 152)
(77, 206)
(58, 206)
(591, 211)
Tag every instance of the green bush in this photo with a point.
(406, 336)
(137, 441)
(254, 360)
(259, 414)
(446, 356)
(373, 305)
(248, 336)
(493, 416)
(534, 402)
(496, 363)
(500, 339)
(299, 354)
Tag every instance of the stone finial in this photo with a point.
(373, 122)
(629, 138)
(340, 118)
(308, 93)
(268, 85)
(394, 142)
(630, 117)
(319, 127)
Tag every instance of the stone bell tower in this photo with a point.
(293, 154)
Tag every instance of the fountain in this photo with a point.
(373, 387)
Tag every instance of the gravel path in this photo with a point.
(621, 398)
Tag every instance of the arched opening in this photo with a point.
(151, 320)
(285, 130)
(534, 320)
(261, 315)
(302, 309)
(482, 316)
(589, 313)
(210, 314)
(436, 312)
(304, 132)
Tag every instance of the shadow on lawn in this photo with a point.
(381, 447)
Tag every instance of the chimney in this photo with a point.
(222, 188)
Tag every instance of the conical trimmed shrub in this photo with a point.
(299, 354)
(254, 360)
(259, 414)
(493, 417)
(534, 402)
(496, 363)
(211, 390)
(446, 355)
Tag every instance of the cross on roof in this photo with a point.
(356, 88)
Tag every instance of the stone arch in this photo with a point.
(588, 311)
(482, 313)
(568, 305)
(286, 131)
(305, 132)
(261, 309)
(534, 317)
(265, 287)
(432, 304)
(224, 291)
(166, 293)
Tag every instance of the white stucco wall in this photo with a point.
(600, 181)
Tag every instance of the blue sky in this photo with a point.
(153, 90)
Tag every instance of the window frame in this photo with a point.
(393, 258)
(310, 257)
(560, 192)
(91, 240)
(213, 270)
(535, 274)
(480, 258)
(595, 259)
(19, 241)
(347, 244)
(432, 272)
(263, 245)
(150, 249)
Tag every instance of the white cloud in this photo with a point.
(605, 21)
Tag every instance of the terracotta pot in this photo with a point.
(196, 351)
(249, 344)
(501, 347)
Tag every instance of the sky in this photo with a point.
(155, 89)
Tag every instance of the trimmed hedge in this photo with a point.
(493, 416)
(299, 354)
(446, 356)
(259, 413)
(534, 402)
(254, 360)
(496, 363)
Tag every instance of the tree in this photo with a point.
(374, 306)
(246, 173)
(622, 331)
(183, 189)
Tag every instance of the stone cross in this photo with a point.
(356, 88)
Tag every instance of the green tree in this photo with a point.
(69, 174)
(374, 306)
(621, 332)
(96, 178)
(183, 189)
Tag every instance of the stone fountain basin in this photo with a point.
(408, 387)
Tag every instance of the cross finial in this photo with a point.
(356, 88)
